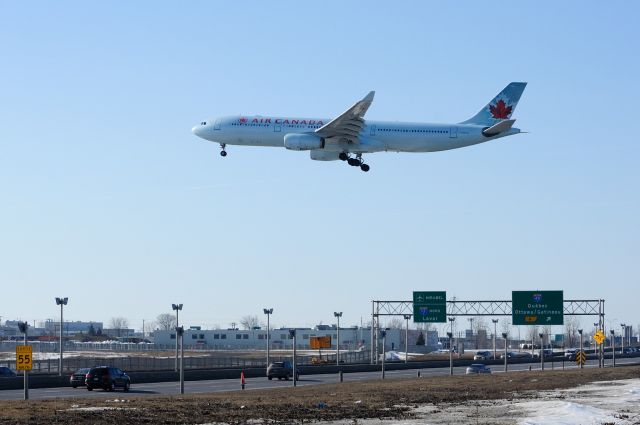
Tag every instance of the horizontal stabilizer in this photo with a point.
(498, 128)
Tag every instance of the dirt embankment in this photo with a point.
(371, 399)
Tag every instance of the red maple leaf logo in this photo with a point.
(243, 120)
(500, 110)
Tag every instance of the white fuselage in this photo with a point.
(375, 136)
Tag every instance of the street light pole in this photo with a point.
(451, 320)
(180, 335)
(495, 322)
(24, 326)
(61, 302)
(613, 346)
(176, 308)
(268, 312)
(337, 315)
(470, 319)
(623, 326)
(406, 338)
(450, 335)
(581, 347)
(383, 334)
(541, 335)
(504, 335)
(292, 334)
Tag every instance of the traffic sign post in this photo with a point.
(537, 307)
(581, 358)
(429, 306)
(24, 357)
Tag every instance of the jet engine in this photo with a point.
(303, 142)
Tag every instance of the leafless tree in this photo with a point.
(166, 322)
(505, 326)
(425, 327)
(249, 321)
(119, 323)
(571, 326)
(395, 323)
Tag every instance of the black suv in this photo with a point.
(281, 370)
(107, 378)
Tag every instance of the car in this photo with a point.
(107, 378)
(78, 377)
(5, 372)
(483, 355)
(477, 368)
(570, 353)
(281, 370)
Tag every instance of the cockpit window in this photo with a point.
(203, 123)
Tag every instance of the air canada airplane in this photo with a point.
(348, 136)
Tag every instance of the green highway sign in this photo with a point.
(537, 308)
(430, 307)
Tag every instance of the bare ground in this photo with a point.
(392, 398)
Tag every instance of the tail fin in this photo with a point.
(500, 108)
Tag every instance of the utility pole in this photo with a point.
(451, 320)
(470, 319)
(406, 338)
(61, 302)
(495, 322)
(268, 312)
(338, 315)
(624, 333)
(176, 308)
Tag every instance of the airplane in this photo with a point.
(348, 136)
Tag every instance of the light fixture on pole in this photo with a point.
(61, 302)
(495, 322)
(176, 308)
(268, 312)
(337, 315)
(406, 338)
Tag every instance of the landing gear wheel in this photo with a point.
(223, 153)
(364, 167)
(343, 156)
(127, 386)
(353, 162)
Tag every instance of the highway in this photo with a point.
(211, 386)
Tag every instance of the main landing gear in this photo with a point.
(223, 152)
(354, 162)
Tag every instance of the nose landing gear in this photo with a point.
(354, 162)
(223, 152)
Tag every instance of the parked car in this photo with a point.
(478, 368)
(107, 378)
(281, 370)
(5, 372)
(483, 355)
(78, 377)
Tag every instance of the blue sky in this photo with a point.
(108, 198)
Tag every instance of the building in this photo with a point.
(71, 328)
(353, 338)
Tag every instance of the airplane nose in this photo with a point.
(197, 130)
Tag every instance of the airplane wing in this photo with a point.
(348, 125)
